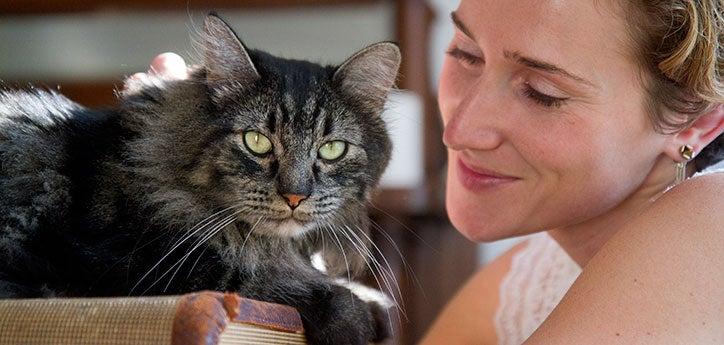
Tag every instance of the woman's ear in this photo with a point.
(699, 134)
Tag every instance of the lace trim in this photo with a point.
(539, 276)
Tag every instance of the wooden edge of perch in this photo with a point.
(201, 317)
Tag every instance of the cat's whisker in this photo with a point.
(379, 284)
(398, 304)
(390, 271)
(209, 234)
(130, 255)
(362, 248)
(341, 248)
(406, 265)
(249, 234)
(380, 272)
(385, 275)
(369, 261)
(344, 255)
(196, 262)
(324, 243)
(180, 262)
(206, 221)
(190, 233)
(404, 226)
(242, 248)
(185, 235)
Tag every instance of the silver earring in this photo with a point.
(687, 153)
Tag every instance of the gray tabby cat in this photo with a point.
(227, 181)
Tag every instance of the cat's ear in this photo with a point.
(226, 58)
(369, 74)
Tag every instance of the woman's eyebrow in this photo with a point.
(544, 66)
(459, 24)
(519, 58)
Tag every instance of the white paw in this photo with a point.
(366, 294)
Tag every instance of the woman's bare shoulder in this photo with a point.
(658, 280)
(468, 317)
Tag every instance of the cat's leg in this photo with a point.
(379, 303)
(331, 313)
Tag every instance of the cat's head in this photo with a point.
(291, 145)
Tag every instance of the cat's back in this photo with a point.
(38, 130)
(33, 109)
(32, 131)
(32, 183)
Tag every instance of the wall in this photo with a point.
(105, 45)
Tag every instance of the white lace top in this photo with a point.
(539, 276)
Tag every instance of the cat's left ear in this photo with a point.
(369, 74)
(226, 58)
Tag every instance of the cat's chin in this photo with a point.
(289, 227)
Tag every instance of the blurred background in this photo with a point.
(84, 49)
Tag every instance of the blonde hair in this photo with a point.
(680, 46)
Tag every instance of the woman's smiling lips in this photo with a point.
(477, 179)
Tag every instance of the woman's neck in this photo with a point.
(583, 240)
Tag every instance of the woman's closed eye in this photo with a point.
(542, 93)
(464, 56)
(542, 98)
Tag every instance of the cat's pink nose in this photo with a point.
(293, 200)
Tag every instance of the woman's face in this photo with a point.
(544, 119)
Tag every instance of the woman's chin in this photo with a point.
(480, 234)
(484, 212)
(476, 225)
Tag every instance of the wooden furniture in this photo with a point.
(204, 317)
(417, 237)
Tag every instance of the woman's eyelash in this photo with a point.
(543, 99)
(464, 56)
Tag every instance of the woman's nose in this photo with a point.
(475, 124)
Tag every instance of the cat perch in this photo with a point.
(192, 319)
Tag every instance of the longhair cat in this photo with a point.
(227, 181)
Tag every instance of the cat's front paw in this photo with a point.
(378, 303)
(341, 317)
(382, 321)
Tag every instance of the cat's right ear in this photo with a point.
(226, 57)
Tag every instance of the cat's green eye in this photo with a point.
(257, 143)
(333, 150)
